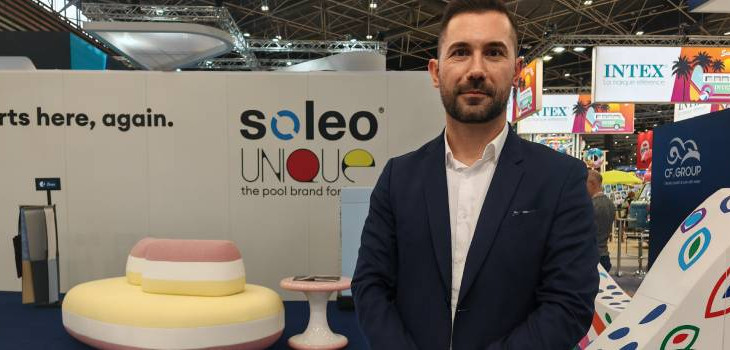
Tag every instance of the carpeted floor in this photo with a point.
(26, 327)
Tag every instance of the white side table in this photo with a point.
(318, 334)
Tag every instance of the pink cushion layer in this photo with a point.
(190, 250)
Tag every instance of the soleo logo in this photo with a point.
(634, 71)
(330, 125)
(683, 158)
(325, 163)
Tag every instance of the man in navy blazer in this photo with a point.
(479, 239)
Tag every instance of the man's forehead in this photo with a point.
(490, 26)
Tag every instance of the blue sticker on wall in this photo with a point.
(651, 316)
(693, 219)
(693, 248)
(724, 205)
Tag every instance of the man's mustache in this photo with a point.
(479, 87)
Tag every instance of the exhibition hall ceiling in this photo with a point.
(410, 30)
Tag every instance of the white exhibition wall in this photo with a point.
(186, 180)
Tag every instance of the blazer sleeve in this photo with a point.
(374, 282)
(569, 283)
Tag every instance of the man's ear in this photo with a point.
(433, 70)
(519, 64)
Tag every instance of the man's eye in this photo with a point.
(460, 52)
(494, 52)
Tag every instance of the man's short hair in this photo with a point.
(457, 7)
(595, 176)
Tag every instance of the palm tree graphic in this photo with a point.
(704, 60)
(579, 111)
(599, 107)
(681, 69)
(718, 65)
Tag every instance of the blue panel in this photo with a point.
(690, 163)
(85, 56)
(354, 206)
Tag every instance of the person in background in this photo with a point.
(604, 213)
(626, 204)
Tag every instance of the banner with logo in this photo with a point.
(256, 158)
(644, 142)
(577, 114)
(661, 74)
(689, 164)
(528, 98)
(684, 111)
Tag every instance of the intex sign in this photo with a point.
(303, 164)
(634, 70)
(684, 157)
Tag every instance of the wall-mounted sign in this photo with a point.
(528, 98)
(661, 74)
(577, 114)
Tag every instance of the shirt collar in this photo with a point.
(491, 151)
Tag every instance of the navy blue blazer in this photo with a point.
(530, 278)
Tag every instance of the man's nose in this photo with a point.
(477, 69)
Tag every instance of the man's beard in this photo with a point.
(484, 113)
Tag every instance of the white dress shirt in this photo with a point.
(467, 188)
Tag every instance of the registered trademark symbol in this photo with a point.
(381, 110)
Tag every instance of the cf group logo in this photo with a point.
(331, 125)
(680, 151)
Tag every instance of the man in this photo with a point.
(604, 212)
(479, 239)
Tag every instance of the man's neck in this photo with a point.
(467, 141)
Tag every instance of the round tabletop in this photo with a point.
(311, 286)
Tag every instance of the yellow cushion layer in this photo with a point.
(116, 301)
(201, 288)
(134, 277)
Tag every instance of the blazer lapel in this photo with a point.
(437, 206)
(505, 181)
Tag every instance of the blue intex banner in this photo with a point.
(690, 163)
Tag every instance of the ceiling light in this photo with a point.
(726, 33)
(627, 136)
(373, 4)
(567, 74)
(588, 2)
(558, 49)
(641, 32)
(655, 125)
(264, 5)
(547, 58)
(353, 40)
(159, 12)
(288, 63)
(178, 70)
(369, 37)
(246, 34)
(276, 40)
(278, 37)
(579, 49)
